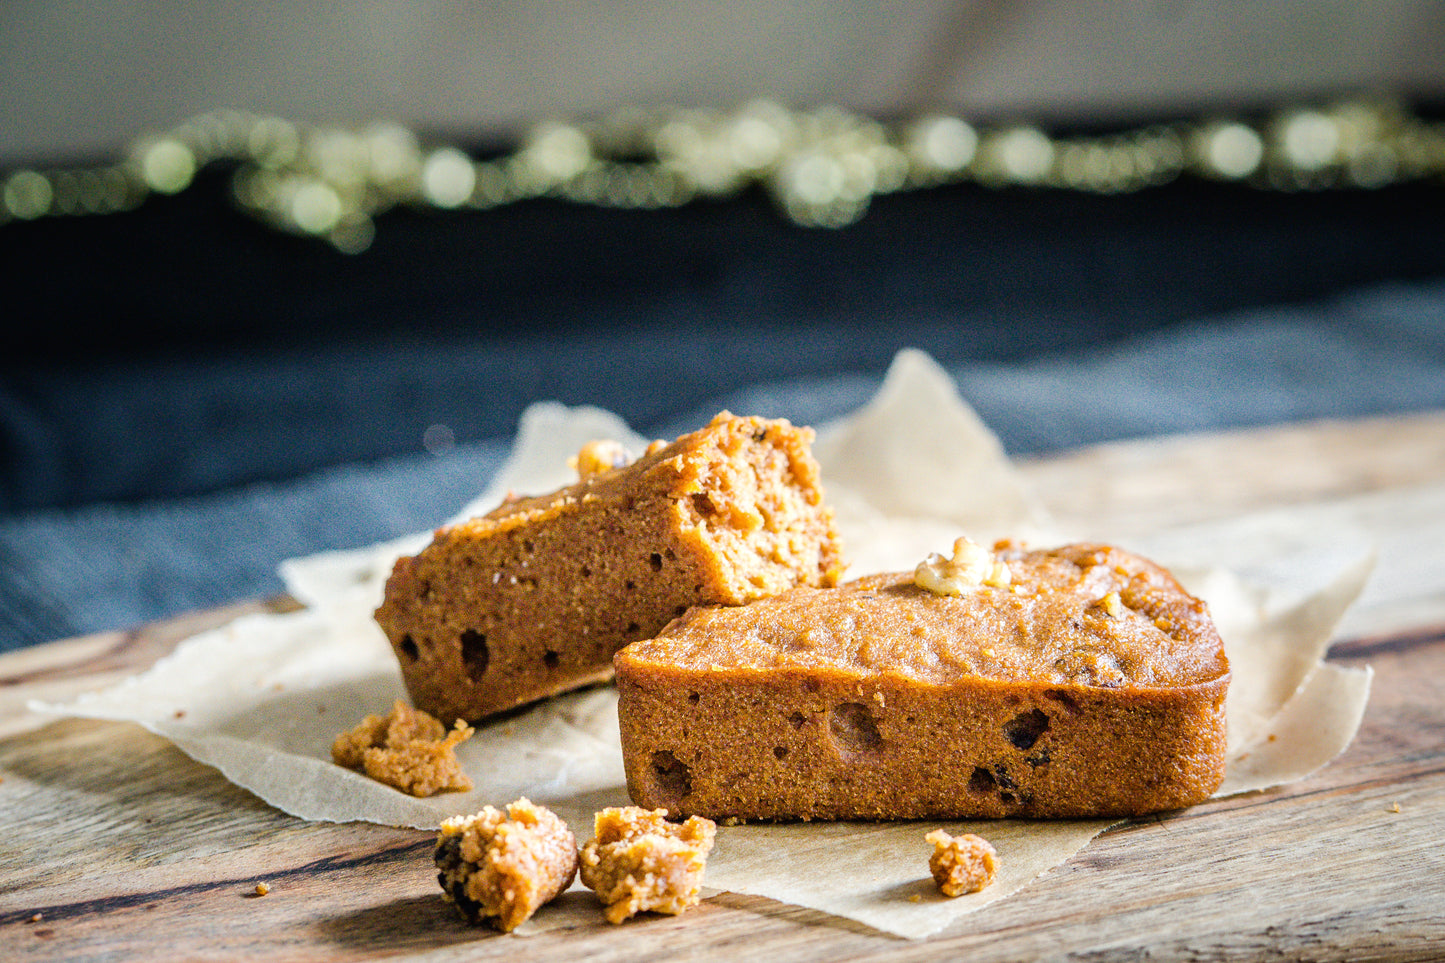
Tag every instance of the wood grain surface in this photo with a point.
(116, 846)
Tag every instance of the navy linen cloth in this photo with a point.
(188, 398)
(64, 572)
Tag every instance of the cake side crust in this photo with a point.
(810, 745)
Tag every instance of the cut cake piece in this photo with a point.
(1080, 681)
(534, 598)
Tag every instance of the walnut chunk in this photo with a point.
(407, 749)
(1112, 605)
(598, 458)
(499, 868)
(961, 864)
(640, 861)
(972, 565)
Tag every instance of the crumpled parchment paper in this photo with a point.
(262, 698)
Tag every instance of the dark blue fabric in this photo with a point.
(69, 570)
(180, 349)
(187, 397)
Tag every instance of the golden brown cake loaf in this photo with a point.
(534, 598)
(1081, 681)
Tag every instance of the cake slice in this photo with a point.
(534, 598)
(1079, 681)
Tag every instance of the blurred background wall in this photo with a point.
(80, 77)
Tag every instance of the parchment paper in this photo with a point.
(262, 698)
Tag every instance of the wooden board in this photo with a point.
(118, 846)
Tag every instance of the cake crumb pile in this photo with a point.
(640, 861)
(405, 748)
(499, 868)
(961, 864)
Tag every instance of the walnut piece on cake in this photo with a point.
(961, 864)
(640, 861)
(405, 748)
(971, 566)
(499, 868)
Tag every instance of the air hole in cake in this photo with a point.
(703, 505)
(630, 585)
(798, 720)
(853, 727)
(475, 654)
(408, 647)
(1024, 729)
(671, 776)
(669, 554)
(551, 659)
(527, 545)
(780, 752)
(1063, 698)
(981, 780)
(655, 561)
(680, 610)
(586, 571)
(633, 627)
(694, 698)
(1006, 797)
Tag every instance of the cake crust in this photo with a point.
(534, 598)
(1089, 684)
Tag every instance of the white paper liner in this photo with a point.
(262, 698)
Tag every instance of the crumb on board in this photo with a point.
(1394, 808)
(639, 861)
(961, 864)
(37, 917)
(499, 868)
(406, 748)
(262, 889)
